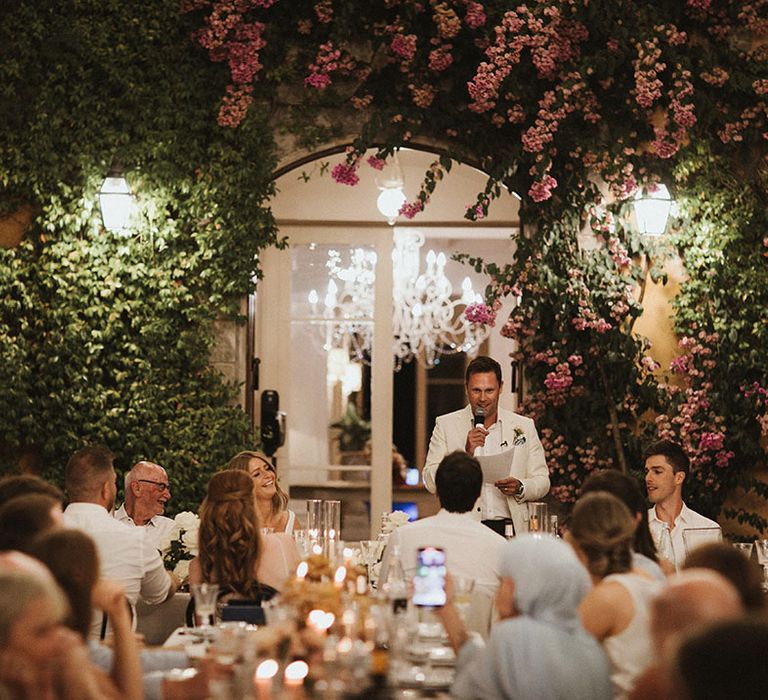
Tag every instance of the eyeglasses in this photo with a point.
(159, 484)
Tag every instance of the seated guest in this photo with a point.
(745, 574)
(628, 491)
(146, 493)
(233, 552)
(539, 649)
(24, 517)
(666, 468)
(271, 500)
(616, 610)
(40, 658)
(126, 555)
(723, 662)
(472, 550)
(71, 557)
(23, 484)
(690, 600)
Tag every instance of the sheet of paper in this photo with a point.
(497, 466)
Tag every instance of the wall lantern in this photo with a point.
(391, 182)
(116, 202)
(652, 208)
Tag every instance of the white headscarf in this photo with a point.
(550, 581)
(544, 653)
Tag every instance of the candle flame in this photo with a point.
(340, 575)
(266, 669)
(321, 620)
(301, 570)
(296, 671)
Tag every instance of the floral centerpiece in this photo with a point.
(391, 521)
(179, 546)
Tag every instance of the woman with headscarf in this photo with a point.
(233, 552)
(539, 648)
(271, 500)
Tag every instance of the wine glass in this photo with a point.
(205, 596)
(370, 551)
(462, 595)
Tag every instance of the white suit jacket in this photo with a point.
(528, 464)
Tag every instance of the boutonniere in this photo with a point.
(518, 437)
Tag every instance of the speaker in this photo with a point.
(272, 422)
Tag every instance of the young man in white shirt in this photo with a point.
(472, 550)
(666, 468)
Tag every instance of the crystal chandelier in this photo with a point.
(428, 321)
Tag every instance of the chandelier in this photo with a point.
(428, 318)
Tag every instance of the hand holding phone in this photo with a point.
(429, 580)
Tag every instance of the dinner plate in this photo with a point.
(428, 679)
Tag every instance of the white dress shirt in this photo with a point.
(156, 529)
(688, 519)
(494, 503)
(125, 554)
(471, 549)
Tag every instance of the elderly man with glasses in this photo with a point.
(146, 493)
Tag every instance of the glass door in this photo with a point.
(324, 341)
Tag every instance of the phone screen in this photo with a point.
(429, 580)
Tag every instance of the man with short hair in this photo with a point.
(472, 550)
(482, 429)
(125, 554)
(666, 468)
(146, 493)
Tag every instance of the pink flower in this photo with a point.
(376, 163)
(410, 209)
(542, 189)
(480, 313)
(346, 174)
(475, 16)
(404, 46)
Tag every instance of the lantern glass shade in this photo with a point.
(116, 203)
(389, 202)
(652, 209)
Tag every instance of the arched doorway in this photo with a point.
(318, 215)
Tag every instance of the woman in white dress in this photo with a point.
(271, 500)
(616, 610)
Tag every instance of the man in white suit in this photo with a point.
(496, 431)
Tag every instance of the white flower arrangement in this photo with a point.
(180, 546)
(391, 521)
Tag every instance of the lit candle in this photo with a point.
(301, 570)
(317, 549)
(320, 620)
(339, 576)
(293, 680)
(262, 679)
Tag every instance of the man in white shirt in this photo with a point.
(146, 493)
(125, 554)
(482, 429)
(472, 550)
(666, 467)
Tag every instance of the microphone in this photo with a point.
(479, 416)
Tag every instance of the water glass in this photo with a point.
(205, 596)
(538, 517)
(301, 538)
(332, 520)
(314, 519)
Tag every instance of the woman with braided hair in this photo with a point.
(233, 552)
(615, 611)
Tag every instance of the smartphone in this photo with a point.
(429, 580)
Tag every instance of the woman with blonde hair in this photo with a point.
(616, 610)
(271, 500)
(233, 552)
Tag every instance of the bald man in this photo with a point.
(146, 492)
(691, 600)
